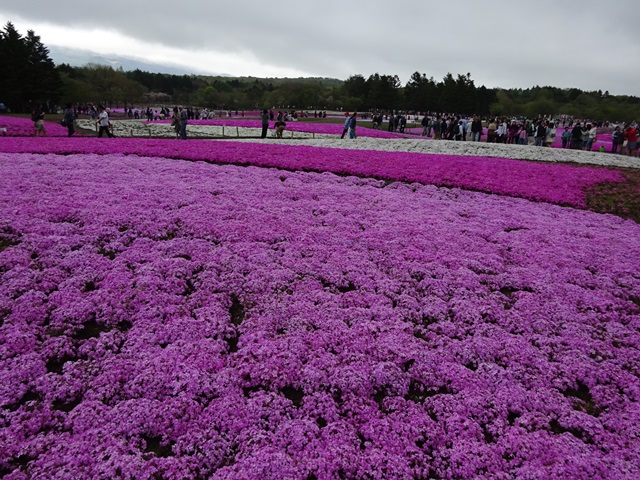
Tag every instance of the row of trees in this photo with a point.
(30, 76)
(385, 92)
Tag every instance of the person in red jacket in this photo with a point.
(631, 136)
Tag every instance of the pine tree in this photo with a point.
(29, 75)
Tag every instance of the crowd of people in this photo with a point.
(575, 134)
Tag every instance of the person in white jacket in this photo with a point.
(103, 122)
(593, 133)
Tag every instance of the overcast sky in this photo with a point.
(589, 44)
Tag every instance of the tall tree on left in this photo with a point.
(29, 76)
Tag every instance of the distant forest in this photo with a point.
(30, 76)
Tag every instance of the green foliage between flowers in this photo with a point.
(617, 198)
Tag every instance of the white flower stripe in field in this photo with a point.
(473, 149)
(133, 128)
(136, 128)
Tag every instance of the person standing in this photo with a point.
(38, 121)
(403, 123)
(566, 137)
(103, 122)
(576, 137)
(69, 119)
(458, 133)
(437, 128)
(175, 121)
(512, 132)
(491, 131)
(631, 136)
(550, 135)
(501, 133)
(345, 128)
(541, 132)
(425, 125)
(265, 123)
(593, 136)
(617, 139)
(476, 129)
(352, 126)
(184, 119)
(522, 135)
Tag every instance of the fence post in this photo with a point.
(237, 132)
(223, 130)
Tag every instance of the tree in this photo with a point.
(384, 92)
(356, 86)
(28, 74)
(420, 93)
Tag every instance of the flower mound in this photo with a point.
(164, 319)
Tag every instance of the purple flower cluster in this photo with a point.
(179, 320)
(555, 183)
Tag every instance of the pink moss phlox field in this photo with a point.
(300, 126)
(23, 127)
(177, 320)
(555, 183)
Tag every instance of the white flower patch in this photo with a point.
(136, 128)
(473, 149)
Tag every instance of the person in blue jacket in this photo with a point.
(352, 125)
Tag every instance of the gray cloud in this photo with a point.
(589, 45)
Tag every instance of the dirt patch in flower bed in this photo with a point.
(618, 198)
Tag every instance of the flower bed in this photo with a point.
(561, 184)
(23, 127)
(163, 319)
